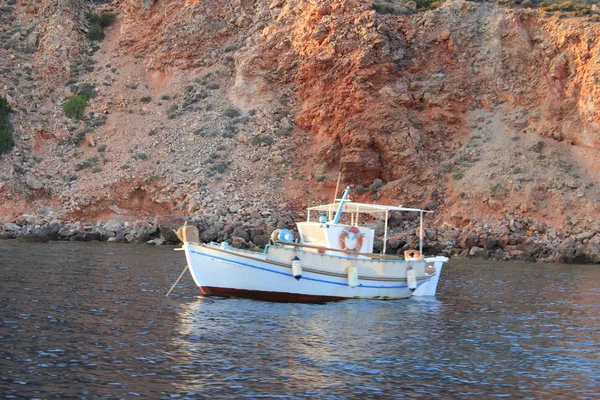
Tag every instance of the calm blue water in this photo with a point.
(92, 321)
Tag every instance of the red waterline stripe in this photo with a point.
(267, 296)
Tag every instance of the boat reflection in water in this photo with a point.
(236, 347)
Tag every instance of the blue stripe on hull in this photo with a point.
(303, 278)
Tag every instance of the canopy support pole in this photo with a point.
(421, 234)
(385, 233)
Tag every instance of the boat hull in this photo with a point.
(229, 272)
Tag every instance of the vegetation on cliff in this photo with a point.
(97, 24)
(407, 7)
(75, 106)
(6, 138)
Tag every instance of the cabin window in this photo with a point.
(313, 234)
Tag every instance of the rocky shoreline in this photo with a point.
(513, 240)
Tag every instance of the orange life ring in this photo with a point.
(352, 233)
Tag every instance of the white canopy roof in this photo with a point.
(362, 208)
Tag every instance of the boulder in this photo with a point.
(504, 241)
(8, 235)
(10, 227)
(566, 251)
(241, 233)
(469, 241)
(143, 234)
(530, 250)
(260, 240)
(93, 236)
(168, 226)
(431, 234)
(239, 242)
(25, 219)
(112, 225)
(377, 246)
(33, 182)
(192, 206)
(67, 231)
(489, 242)
(254, 232)
(33, 236)
(588, 253)
(52, 230)
(478, 252)
(210, 234)
(395, 220)
(449, 235)
(394, 243)
(585, 236)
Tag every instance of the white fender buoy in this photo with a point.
(411, 278)
(352, 276)
(296, 268)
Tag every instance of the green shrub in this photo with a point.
(220, 167)
(87, 90)
(284, 131)
(496, 188)
(231, 112)
(83, 164)
(95, 33)
(386, 8)
(98, 23)
(6, 137)
(261, 140)
(146, 99)
(538, 147)
(375, 186)
(459, 175)
(103, 20)
(280, 114)
(4, 106)
(75, 107)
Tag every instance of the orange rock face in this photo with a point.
(446, 106)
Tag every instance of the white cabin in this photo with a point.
(329, 233)
(336, 236)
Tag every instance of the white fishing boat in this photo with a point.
(329, 261)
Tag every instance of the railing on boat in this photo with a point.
(370, 255)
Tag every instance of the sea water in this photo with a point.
(91, 320)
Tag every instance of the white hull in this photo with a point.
(227, 271)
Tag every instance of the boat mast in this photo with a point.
(337, 186)
(338, 214)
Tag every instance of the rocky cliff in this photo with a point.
(219, 109)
